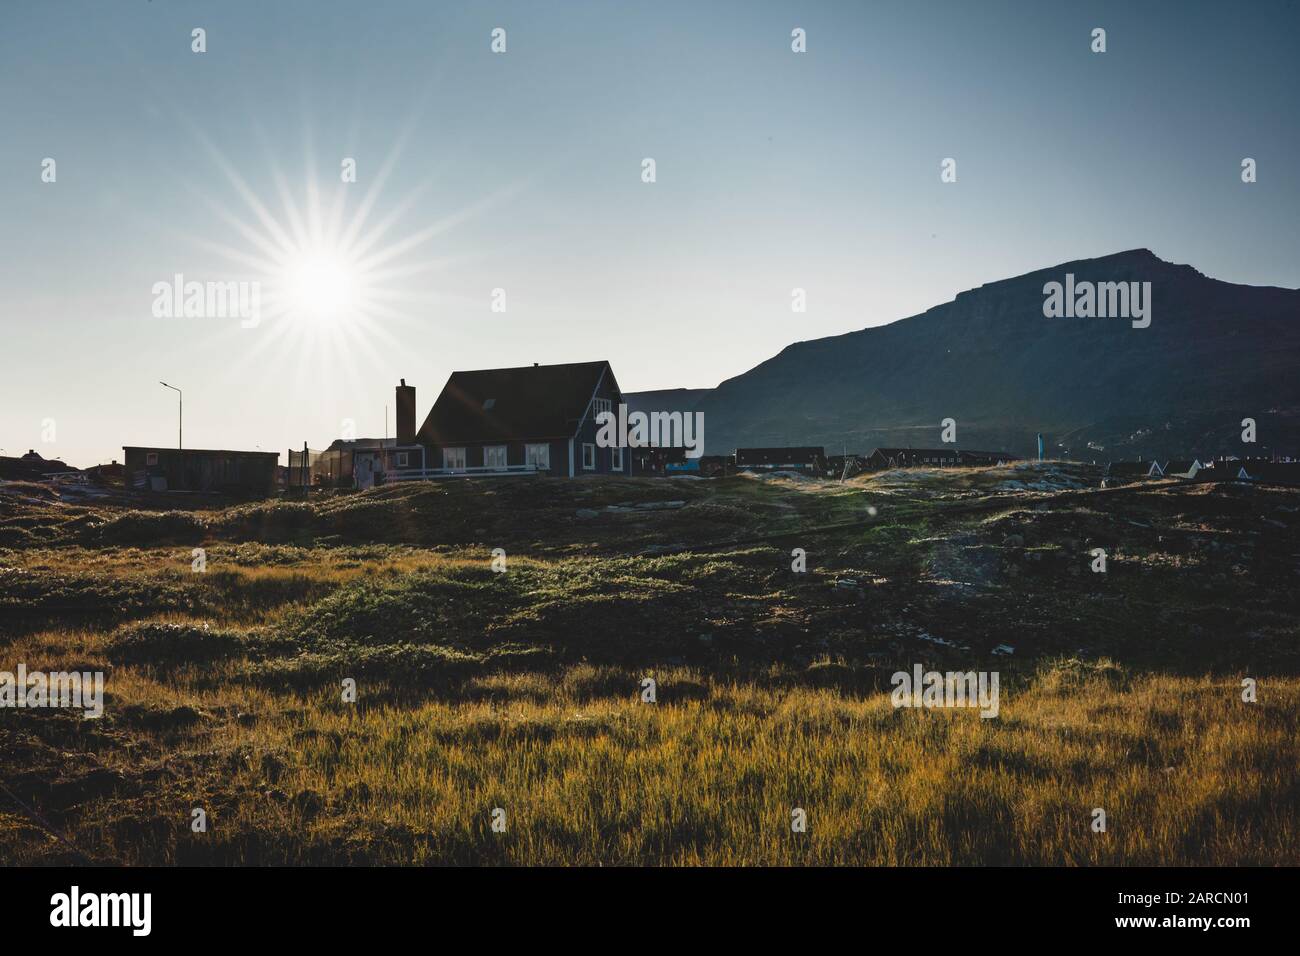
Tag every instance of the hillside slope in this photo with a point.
(1214, 353)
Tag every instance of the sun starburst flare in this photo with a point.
(335, 285)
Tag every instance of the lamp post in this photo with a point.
(180, 413)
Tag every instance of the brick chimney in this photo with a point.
(405, 413)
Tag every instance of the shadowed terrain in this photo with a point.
(522, 689)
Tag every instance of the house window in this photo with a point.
(616, 459)
(494, 456)
(151, 458)
(402, 459)
(539, 456)
(601, 405)
(588, 456)
(453, 458)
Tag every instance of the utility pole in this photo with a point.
(180, 414)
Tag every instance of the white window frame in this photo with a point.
(489, 450)
(542, 460)
(403, 459)
(588, 447)
(599, 405)
(616, 459)
(447, 456)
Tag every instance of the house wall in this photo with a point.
(878, 462)
(514, 454)
(587, 435)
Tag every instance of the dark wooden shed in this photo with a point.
(243, 473)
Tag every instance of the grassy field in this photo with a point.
(522, 690)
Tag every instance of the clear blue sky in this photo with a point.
(522, 171)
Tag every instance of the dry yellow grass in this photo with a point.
(1186, 772)
(520, 691)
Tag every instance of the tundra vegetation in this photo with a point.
(522, 690)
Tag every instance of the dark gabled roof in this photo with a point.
(536, 402)
(777, 456)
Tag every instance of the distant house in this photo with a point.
(673, 461)
(1133, 470)
(1225, 469)
(809, 459)
(1254, 469)
(31, 467)
(979, 458)
(112, 471)
(716, 466)
(244, 473)
(538, 419)
(883, 458)
(357, 462)
(1181, 468)
(658, 461)
(845, 466)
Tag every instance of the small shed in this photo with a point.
(242, 473)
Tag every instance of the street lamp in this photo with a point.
(180, 412)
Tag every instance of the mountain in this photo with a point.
(665, 399)
(1097, 388)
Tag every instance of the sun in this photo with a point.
(338, 273)
(320, 286)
